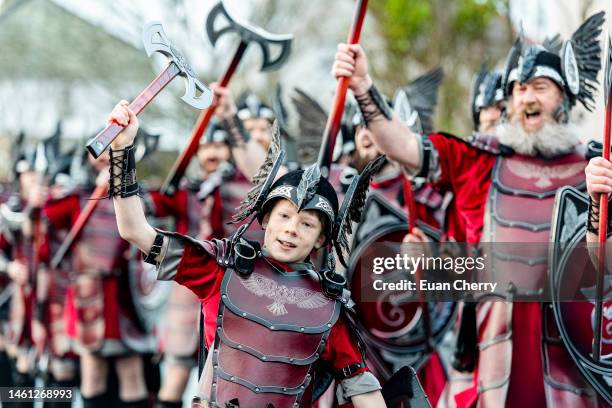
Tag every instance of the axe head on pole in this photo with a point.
(275, 48)
(154, 39)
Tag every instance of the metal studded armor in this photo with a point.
(519, 209)
(288, 307)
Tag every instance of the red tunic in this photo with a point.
(467, 172)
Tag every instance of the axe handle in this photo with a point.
(332, 127)
(603, 235)
(180, 165)
(77, 227)
(102, 140)
(409, 203)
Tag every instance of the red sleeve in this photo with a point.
(5, 246)
(341, 349)
(166, 206)
(466, 171)
(62, 213)
(172, 206)
(454, 157)
(199, 272)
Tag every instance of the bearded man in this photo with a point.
(519, 361)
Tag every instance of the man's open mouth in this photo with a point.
(533, 114)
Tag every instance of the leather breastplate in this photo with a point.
(519, 212)
(100, 248)
(271, 327)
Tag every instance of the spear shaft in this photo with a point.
(332, 127)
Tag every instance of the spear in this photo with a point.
(603, 209)
(332, 127)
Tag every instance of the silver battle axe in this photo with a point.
(219, 22)
(197, 94)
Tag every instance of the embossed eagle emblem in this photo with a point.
(543, 174)
(281, 294)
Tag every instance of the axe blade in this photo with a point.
(155, 39)
(250, 33)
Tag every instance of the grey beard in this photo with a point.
(553, 140)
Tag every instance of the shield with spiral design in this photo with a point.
(573, 278)
(393, 323)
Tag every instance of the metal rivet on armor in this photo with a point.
(284, 389)
(301, 329)
(257, 389)
(214, 384)
(328, 324)
(317, 355)
(271, 327)
(220, 316)
(215, 351)
(244, 314)
(232, 378)
(218, 328)
(301, 386)
(295, 405)
(292, 359)
(240, 346)
(264, 358)
(223, 296)
(215, 366)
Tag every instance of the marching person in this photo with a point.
(493, 183)
(261, 352)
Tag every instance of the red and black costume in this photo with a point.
(246, 362)
(259, 313)
(490, 186)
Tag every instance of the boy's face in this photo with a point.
(291, 235)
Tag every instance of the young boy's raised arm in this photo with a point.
(131, 221)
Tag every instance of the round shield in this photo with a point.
(573, 280)
(391, 321)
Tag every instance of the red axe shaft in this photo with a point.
(74, 233)
(180, 165)
(334, 119)
(410, 205)
(102, 140)
(603, 233)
